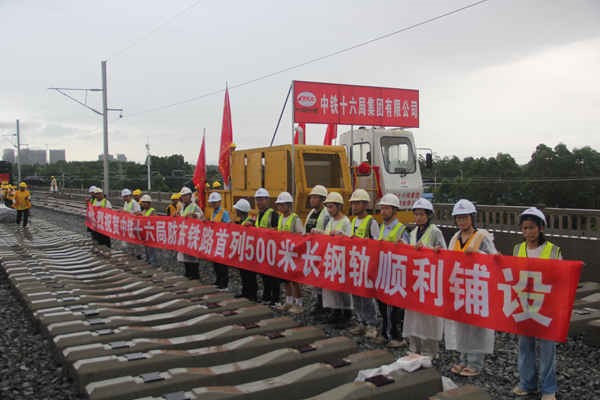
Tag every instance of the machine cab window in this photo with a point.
(398, 156)
(361, 153)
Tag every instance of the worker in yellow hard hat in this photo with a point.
(10, 196)
(173, 208)
(22, 204)
(216, 185)
(137, 194)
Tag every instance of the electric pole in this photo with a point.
(148, 164)
(103, 113)
(18, 154)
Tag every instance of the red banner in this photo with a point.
(526, 296)
(326, 103)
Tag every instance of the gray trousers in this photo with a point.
(365, 310)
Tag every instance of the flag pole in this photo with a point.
(281, 115)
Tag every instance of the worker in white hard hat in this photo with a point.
(316, 221)
(340, 303)
(363, 226)
(129, 204)
(269, 219)
(535, 245)
(189, 209)
(91, 192)
(146, 211)
(101, 201)
(391, 230)
(423, 331)
(248, 279)
(472, 342)
(215, 213)
(289, 222)
(53, 184)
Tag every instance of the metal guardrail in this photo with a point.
(561, 221)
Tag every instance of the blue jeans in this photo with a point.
(527, 369)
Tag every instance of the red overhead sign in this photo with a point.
(325, 103)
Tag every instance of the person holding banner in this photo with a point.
(339, 224)
(316, 221)
(216, 213)
(101, 201)
(289, 222)
(267, 218)
(189, 209)
(532, 222)
(392, 230)
(247, 278)
(472, 342)
(363, 226)
(424, 332)
(147, 210)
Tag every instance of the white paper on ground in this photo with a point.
(409, 363)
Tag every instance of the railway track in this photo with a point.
(124, 330)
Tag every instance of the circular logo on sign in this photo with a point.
(306, 99)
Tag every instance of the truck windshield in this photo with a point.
(322, 169)
(398, 156)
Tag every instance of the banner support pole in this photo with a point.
(281, 114)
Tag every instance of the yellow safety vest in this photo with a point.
(128, 206)
(215, 217)
(289, 223)
(101, 203)
(190, 209)
(363, 229)
(148, 212)
(265, 220)
(171, 210)
(425, 239)
(395, 234)
(550, 251)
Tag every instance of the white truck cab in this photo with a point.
(384, 161)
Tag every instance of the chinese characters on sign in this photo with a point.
(355, 105)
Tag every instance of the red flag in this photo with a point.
(199, 178)
(330, 134)
(300, 134)
(226, 140)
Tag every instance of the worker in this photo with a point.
(535, 245)
(472, 342)
(247, 278)
(92, 194)
(216, 213)
(130, 205)
(267, 218)
(172, 208)
(340, 303)
(316, 221)
(22, 203)
(216, 185)
(53, 185)
(101, 201)
(137, 195)
(10, 197)
(423, 331)
(189, 209)
(289, 222)
(146, 211)
(363, 226)
(391, 230)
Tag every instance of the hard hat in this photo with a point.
(146, 199)
(284, 197)
(535, 212)
(23, 185)
(98, 190)
(423, 204)
(52, 177)
(360, 195)
(137, 192)
(216, 184)
(318, 190)
(125, 192)
(242, 205)
(214, 197)
(175, 196)
(334, 198)
(464, 207)
(92, 189)
(185, 190)
(262, 192)
(389, 199)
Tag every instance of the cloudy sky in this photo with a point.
(500, 77)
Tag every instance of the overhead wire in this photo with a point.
(312, 60)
